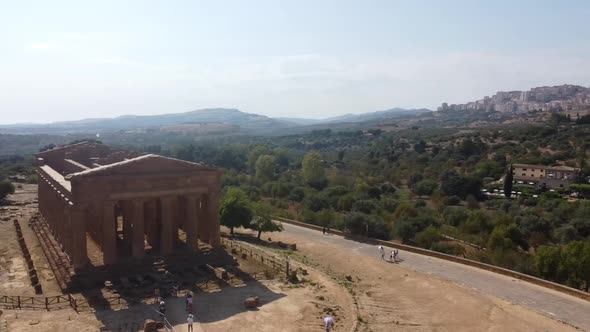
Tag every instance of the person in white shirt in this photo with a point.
(382, 252)
(329, 321)
(189, 322)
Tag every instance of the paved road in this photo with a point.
(563, 307)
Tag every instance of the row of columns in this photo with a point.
(158, 221)
(66, 221)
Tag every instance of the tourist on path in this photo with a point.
(189, 302)
(382, 252)
(189, 322)
(392, 257)
(329, 321)
(395, 254)
(175, 289)
(162, 309)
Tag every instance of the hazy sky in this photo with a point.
(63, 60)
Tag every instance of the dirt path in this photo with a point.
(394, 297)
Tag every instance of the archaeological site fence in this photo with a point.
(277, 264)
(36, 302)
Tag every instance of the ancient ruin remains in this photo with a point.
(126, 202)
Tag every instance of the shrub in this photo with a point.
(6, 188)
(449, 248)
(428, 237)
(451, 200)
(365, 206)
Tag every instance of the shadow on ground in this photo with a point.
(223, 300)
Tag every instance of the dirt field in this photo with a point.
(393, 298)
(13, 269)
(283, 308)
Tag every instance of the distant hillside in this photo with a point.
(355, 118)
(378, 115)
(229, 117)
(204, 121)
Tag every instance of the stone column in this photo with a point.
(138, 247)
(66, 239)
(202, 219)
(79, 253)
(109, 233)
(191, 221)
(94, 224)
(128, 210)
(52, 215)
(151, 223)
(213, 219)
(41, 191)
(167, 240)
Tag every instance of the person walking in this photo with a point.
(392, 256)
(395, 253)
(175, 289)
(189, 322)
(162, 309)
(329, 322)
(324, 230)
(382, 252)
(189, 302)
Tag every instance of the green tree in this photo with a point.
(265, 167)
(282, 158)
(313, 170)
(256, 152)
(262, 220)
(548, 263)
(407, 227)
(425, 187)
(454, 184)
(508, 180)
(576, 256)
(420, 147)
(428, 237)
(235, 209)
(6, 188)
(359, 223)
(184, 152)
(365, 206)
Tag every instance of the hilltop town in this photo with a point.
(546, 98)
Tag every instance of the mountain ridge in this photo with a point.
(247, 122)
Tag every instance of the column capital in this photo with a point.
(138, 201)
(213, 194)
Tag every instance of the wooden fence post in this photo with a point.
(73, 303)
(18, 301)
(47, 304)
(287, 267)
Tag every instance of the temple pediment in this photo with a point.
(147, 164)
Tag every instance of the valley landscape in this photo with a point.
(295, 166)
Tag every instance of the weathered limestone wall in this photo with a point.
(66, 220)
(152, 196)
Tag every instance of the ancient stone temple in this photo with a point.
(126, 202)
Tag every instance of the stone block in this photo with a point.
(150, 325)
(251, 302)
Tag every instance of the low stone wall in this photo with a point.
(460, 260)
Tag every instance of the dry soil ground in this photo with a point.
(392, 297)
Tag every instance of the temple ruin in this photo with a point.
(126, 202)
